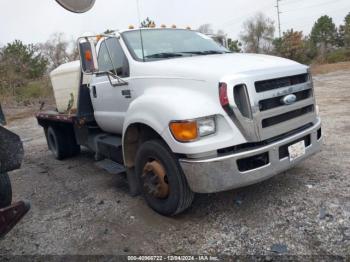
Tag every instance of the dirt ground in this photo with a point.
(78, 208)
(318, 69)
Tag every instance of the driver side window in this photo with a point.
(111, 58)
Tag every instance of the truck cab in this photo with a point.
(187, 115)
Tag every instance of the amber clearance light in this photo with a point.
(184, 131)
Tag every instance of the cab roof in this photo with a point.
(150, 28)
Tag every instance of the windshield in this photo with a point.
(169, 43)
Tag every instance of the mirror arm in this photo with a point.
(120, 82)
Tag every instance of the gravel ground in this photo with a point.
(77, 208)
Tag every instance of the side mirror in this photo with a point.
(88, 56)
(77, 6)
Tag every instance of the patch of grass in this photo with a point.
(29, 91)
(33, 90)
(339, 55)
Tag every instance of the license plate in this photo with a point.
(297, 150)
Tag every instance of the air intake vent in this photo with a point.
(271, 84)
(274, 102)
(287, 116)
(241, 96)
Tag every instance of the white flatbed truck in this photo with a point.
(182, 114)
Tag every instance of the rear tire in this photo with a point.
(58, 143)
(5, 190)
(163, 183)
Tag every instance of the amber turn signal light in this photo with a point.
(184, 131)
(88, 55)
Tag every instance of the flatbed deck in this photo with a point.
(56, 116)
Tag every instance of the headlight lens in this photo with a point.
(206, 126)
(187, 131)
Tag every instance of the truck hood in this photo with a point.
(215, 66)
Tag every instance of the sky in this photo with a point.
(34, 21)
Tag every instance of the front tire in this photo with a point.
(5, 190)
(163, 183)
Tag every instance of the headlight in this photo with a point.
(190, 130)
(206, 126)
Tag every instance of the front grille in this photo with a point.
(271, 103)
(271, 84)
(260, 112)
(287, 116)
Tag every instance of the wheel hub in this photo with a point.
(155, 179)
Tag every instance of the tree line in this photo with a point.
(21, 64)
(326, 42)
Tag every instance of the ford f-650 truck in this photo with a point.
(182, 114)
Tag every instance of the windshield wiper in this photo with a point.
(208, 52)
(179, 54)
(164, 55)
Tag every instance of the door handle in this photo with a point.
(94, 93)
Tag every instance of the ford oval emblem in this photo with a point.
(289, 99)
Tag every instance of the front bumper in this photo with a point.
(222, 173)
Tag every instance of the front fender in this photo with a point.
(157, 108)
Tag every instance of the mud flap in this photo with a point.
(11, 151)
(134, 183)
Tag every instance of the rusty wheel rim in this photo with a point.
(155, 181)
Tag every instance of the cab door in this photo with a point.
(111, 102)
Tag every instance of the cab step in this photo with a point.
(111, 167)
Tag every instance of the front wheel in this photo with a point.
(162, 180)
(5, 190)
